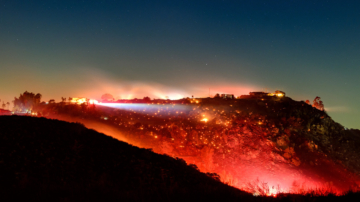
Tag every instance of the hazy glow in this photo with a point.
(78, 100)
(342, 109)
(123, 89)
(204, 120)
(149, 107)
(91, 101)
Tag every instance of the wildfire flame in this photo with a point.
(83, 100)
(78, 100)
(204, 120)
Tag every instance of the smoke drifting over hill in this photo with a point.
(124, 89)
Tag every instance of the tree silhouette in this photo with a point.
(147, 99)
(107, 97)
(27, 101)
(83, 106)
(321, 105)
(38, 98)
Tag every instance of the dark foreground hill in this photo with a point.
(44, 159)
(51, 160)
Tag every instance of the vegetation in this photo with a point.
(107, 97)
(26, 101)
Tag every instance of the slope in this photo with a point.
(44, 159)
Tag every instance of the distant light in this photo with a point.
(204, 119)
(78, 100)
(91, 101)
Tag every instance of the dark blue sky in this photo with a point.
(183, 48)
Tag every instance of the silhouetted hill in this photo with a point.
(44, 159)
(51, 160)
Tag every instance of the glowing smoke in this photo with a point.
(148, 107)
(101, 82)
(123, 89)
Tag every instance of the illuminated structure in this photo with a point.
(83, 100)
(277, 93)
(78, 100)
(227, 96)
(258, 94)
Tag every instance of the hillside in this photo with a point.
(44, 159)
(287, 145)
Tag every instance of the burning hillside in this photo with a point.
(264, 146)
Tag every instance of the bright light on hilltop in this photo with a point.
(170, 96)
(78, 100)
(204, 119)
(91, 101)
(83, 100)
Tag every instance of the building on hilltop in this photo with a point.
(277, 94)
(258, 94)
(76, 100)
(227, 96)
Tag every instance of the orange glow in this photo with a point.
(78, 100)
(83, 100)
(204, 119)
(91, 101)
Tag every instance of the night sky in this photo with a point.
(182, 48)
